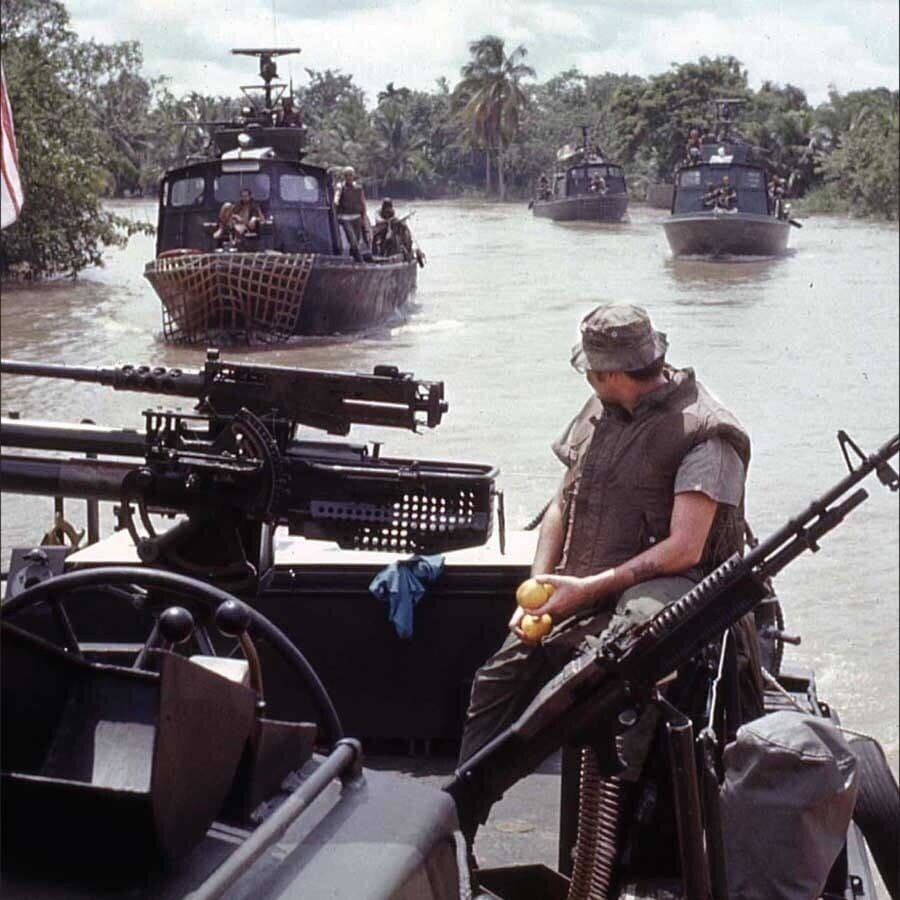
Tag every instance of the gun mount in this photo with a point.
(236, 470)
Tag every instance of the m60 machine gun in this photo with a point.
(236, 468)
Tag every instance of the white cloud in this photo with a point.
(807, 43)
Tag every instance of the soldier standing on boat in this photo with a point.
(651, 501)
(776, 195)
(392, 235)
(350, 204)
(692, 153)
(287, 116)
(543, 188)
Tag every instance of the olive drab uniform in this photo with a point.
(618, 495)
(390, 237)
(352, 202)
(629, 463)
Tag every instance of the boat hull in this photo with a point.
(271, 297)
(725, 234)
(595, 208)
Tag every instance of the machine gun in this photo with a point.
(284, 397)
(598, 694)
(236, 469)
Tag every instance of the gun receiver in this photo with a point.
(331, 401)
(583, 702)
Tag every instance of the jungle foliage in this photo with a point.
(89, 125)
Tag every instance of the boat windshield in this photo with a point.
(186, 191)
(299, 188)
(228, 187)
(695, 183)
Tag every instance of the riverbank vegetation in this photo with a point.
(89, 124)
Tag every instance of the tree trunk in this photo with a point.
(501, 183)
(487, 171)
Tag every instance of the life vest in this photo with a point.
(351, 202)
(619, 490)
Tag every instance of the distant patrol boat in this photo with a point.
(573, 196)
(302, 272)
(752, 222)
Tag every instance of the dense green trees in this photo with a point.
(71, 150)
(89, 124)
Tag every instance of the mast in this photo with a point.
(268, 70)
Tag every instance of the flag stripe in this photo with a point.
(11, 194)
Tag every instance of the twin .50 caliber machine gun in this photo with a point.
(236, 469)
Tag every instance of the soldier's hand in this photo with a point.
(515, 626)
(570, 596)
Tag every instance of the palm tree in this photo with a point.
(491, 99)
(398, 152)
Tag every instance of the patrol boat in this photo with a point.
(721, 203)
(302, 272)
(586, 187)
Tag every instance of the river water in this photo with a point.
(798, 347)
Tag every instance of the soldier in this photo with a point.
(350, 204)
(543, 188)
(726, 197)
(721, 196)
(287, 116)
(651, 501)
(692, 152)
(776, 195)
(247, 215)
(598, 184)
(392, 235)
(225, 231)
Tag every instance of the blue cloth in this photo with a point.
(402, 585)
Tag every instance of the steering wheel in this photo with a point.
(234, 618)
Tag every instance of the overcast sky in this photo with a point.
(852, 44)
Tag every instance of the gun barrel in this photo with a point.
(71, 438)
(143, 379)
(79, 479)
(51, 370)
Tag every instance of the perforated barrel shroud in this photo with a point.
(207, 295)
(447, 506)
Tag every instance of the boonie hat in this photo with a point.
(617, 337)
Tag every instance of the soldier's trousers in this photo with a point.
(508, 681)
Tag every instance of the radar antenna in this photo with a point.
(268, 70)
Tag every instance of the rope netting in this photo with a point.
(251, 296)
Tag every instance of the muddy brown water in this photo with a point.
(798, 347)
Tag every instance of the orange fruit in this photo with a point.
(532, 593)
(536, 627)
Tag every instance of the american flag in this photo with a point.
(11, 195)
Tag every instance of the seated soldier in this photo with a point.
(391, 235)
(721, 196)
(247, 214)
(225, 231)
(726, 196)
(597, 185)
